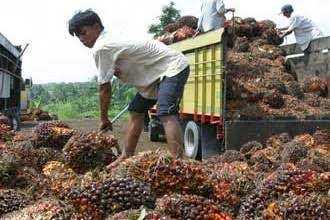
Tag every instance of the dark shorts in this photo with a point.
(170, 91)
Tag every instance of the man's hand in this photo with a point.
(105, 126)
(196, 33)
(230, 10)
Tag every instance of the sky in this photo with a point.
(55, 56)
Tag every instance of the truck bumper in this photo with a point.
(238, 133)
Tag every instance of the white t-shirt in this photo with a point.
(304, 30)
(212, 11)
(142, 64)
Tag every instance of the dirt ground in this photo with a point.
(88, 125)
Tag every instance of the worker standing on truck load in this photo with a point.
(212, 15)
(158, 72)
(304, 29)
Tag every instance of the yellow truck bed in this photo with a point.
(203, 92)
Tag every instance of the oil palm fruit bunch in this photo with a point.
(322, 137)
(190, 207)
(227, 157)
(230, 183)
(299, 207)
(317, 86)
(46, 208)
(277, 140)
(60, 177)
(278, 184)
(166, 174)
(187, 20)
(8, 170)
(241, 44)
(318, 159)
(110, 196)
(306, 139)
(183, 33)
(272, 36)
(294, 89)
(24, 154)
(81, 216)
(178, 176)
(53, 134)
(274, 99)
(267, 51)
(5, 133)
(86, 151)
(11, 200)
(275, 84)
(293, 152)
(312, 100)
(249, 148)
(265, 159)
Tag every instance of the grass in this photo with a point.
(66, 111)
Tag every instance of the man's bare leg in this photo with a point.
(173, 134)
(133, 132)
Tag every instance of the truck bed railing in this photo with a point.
(314, 62)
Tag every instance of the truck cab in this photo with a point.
(10, 81)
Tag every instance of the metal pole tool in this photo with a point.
(114, 120)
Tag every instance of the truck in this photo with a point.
(207, 129)
(10, 81)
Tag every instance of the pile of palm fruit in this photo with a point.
(260, 84)
(37, 114)
(183, 28)
(5, 133)
(260, 181)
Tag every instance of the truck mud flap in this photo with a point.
(238, 133)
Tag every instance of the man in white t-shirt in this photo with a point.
(212, 15)
(304, 29)
(158, 72)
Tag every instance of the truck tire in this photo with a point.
(192, 140)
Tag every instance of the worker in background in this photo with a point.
(304, 29)
(212, 15)
(158, 72)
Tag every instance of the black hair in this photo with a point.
(83, 18)
(287, 8)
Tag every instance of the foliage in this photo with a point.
(79, 99)
(169, 15)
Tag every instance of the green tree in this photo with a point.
(40, 94)
(169, 15)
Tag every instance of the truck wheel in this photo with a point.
(192, 139)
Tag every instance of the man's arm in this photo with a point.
(105, 95)
(285, 33)
(282, 29)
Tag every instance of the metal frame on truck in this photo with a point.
(10, 81)
(207, 131)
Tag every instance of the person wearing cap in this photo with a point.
(304, 29)
(212, 15)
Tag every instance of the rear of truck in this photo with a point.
(208, 130)
(202, 105)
